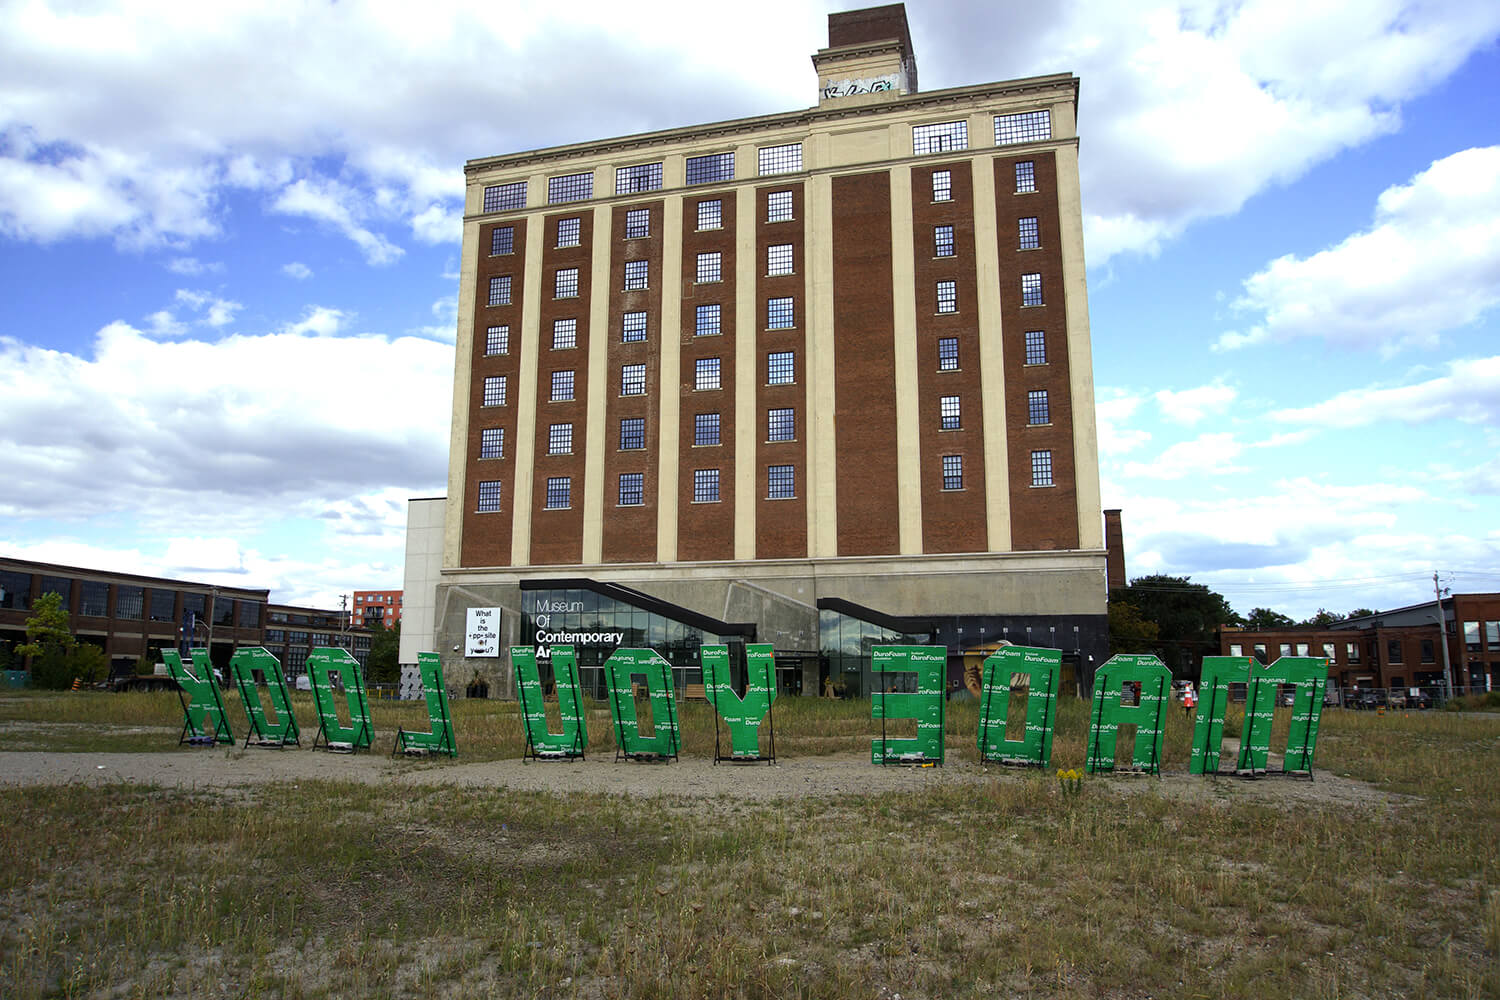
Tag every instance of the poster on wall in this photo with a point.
(482, 632)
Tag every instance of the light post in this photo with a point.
(1442, 623)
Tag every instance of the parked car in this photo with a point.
(1372, 698)
(1417, 698)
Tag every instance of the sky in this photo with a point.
(229, 239)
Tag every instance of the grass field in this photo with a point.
(1004, 886)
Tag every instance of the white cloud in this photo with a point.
(192, 267)
(438, 225)
(1205, 456)
(1113, 408)
(1468, 393)
(1188, 406)
(339, 206)
(298, 270)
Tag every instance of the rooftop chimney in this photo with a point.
(869, 57)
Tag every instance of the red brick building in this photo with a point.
(371, 606)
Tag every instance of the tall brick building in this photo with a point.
(818, 378)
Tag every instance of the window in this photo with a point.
(633, 380)
(1492, 635)
(632, 489)
(500, 290)
(1031, 289)
(948, 413)
(781, 482)
(1025, 177)
(1041, 468)
(779, 259)
(497, 340)
(1029, 126)
(947, 354)
(781, 425)
(637, 223)
(562, 386)
(1284, 649)
(779, 314)
(130, 602)
(564, 334)
(707, 169)
(709, 266)
(632, 433)
(93, 597)
(708, 321)
(710, 214)
(559, 492)
(636, 273)
(1030, 235)
(1352, 649)
(634, 327)
(780, 368)
(705, 486)
(504, 197)
(779, 206)
(163, 602)
(565, 285)
(1393, 651)
(492, 442)
(489, 496)
(1036, 347)
(570, 187)
(780, 159)
(942, 185)
(705, 429)
(1235, 649)
(939, 137)
(942, 241)
(953, 472)
(494, 390)
(1429, 651)
(502, 240)
(706, 373)
(560, 439)
(643, 177)
(1328, 651)
(569, 232)
(1471, 636)
(947, 297)
(1037, 411)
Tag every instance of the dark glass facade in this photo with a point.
(845, 644)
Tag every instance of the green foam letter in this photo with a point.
(1151, 682)
(1308, 675)
(440, 737)
(204, 714)
(1041, 671)
(621, 666)
(1213, 699)
(243, 664)
(926, 705)
(574, 738)
(322, 663)
(743, 716)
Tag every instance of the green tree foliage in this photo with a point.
(1265, 619)
(1323, 618)
(57, 659)
(1362, 613)
(1128, 631)
(383, 665)
(48, 625)
(1186, 615)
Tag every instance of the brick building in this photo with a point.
(819, 378)
(371, 606)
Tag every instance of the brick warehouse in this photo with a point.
(819, 378)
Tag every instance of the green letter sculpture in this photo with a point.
(1307, 675)
(540, 741)
(1152, 682)
(440, 738)
(321, 665)
(926, 705)
(743, 716)
(265, 733)
(1213, 698)
(664, 741)
(1042, 670)
(204, 702)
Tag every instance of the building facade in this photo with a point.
(371, 606)
(816, 378)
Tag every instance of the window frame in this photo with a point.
(628, 379)
(492, 443)
(563, 380)
(1025, 177)
(488, 500)
(1031, 290)
(947, 297)
(1036, 347)
(1041, 468)
(559, 493)
(565, 334)
(776, 361)
(637, 275)
(504, 197)
(499, 294)
(497, 340)
(710, 168)
(638, 178)
(706, 486)
(565, 188)
(942, 185)
(494, 389)
(1028, 233)
(502, 241)
(565, 283)
(632, 434)
(637, 223)
(706, 429)
(717, 214)
(709, 267)
(779, 306)
(569, 232)
(942, 241)
(783, 159)
(953, 473)
(708, 320)
(635, 482)
(633, 327)
(783, 476)
(950, 413)
(1038, 408)
(560, 438)
(781, 424)
(1023, 127)
(780, 260)
(779, 207)
(703, 368)
(940, 137)
(947, 352)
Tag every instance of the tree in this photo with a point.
(48, 625)
(1264, 619)
(1186, 614)
(1128, 631)
(383, 665)
(1362, 613)
(56, 658)
(1323, 618)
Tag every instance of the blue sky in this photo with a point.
(229, 253)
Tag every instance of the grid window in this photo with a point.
(564, 334)
(1030, 234)
(634, 327)
(942, 185)
(705, 428)
(779, 206)
(780, 159)
(779, 259)
(500, 290)
(707, 169)
(569, 232)
(633, 180)
(492, 442)
(779, 314)
(1025, 177)
(502, 240)
(942, 241)
(948, 413)
(940, 137)
(706, 373)
(947, 296)
(637, 223)
(497, 340)
(1036, 347)
(565, 284)
(633, 380)
(489, 496)
(781, 425)
(562, 386)
(494, 390)
(560, 439)
(504, 197)
(710, 266)
(1031, 289)
(781, 368)
(632, 489)
(711, 214)
(632, 433)
(953, 472)
(1041, 468)
(781, 482)
(570, 187)
(1037, 410)
(559, 492)
(636, 274)
(1029, 126)
(947, 354)
(707, 324)
(705, 486)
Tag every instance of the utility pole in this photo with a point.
(1443, 633)
(344, 620)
